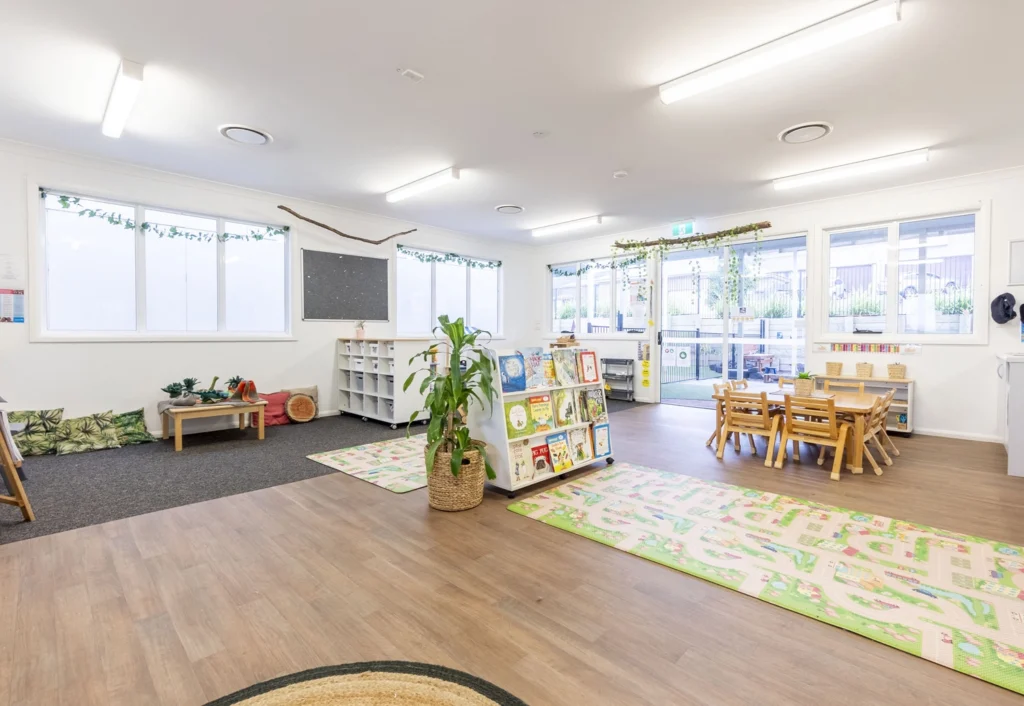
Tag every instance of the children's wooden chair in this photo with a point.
(883, 432)
(812, 420)
(874, 424)
(749, 413)
(843, 385)
(738, 384)
(719, 389)
(785, 382)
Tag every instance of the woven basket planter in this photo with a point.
(897, 371)
(453, 493)
(803, 387)
(834, 369)
(864, 370)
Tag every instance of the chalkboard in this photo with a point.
(338, 287)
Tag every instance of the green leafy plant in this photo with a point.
(954, 304)
(174, 389)
(804, 376)
(188, 385)
(857, 303)
(449, 393)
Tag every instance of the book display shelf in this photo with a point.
(370, 377)
(550, 417)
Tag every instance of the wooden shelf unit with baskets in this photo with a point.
(901, 415)
(371, 372)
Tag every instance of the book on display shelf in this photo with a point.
(542, 413)
(541, 460)
(533, 359)
(512, 370)
(517, 419)
(565, 408)
(558, 447)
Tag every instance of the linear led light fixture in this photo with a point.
(869, 166)
(567, 227)
(425, 184)
(127, 85)
(827, 33)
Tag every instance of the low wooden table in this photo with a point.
(179, 414)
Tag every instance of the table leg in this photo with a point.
(177, 433)
(718, 425)
(855, 446)
(261, 435)
(241, 420)
(166, 423)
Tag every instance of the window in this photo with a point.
(131, 270)
(906, 277)
(431, 284)
(600, 299)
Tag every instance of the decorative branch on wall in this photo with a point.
(344, 235)
(701, 240)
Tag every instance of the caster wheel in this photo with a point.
(561, 477)
(511, 496)
(364, 419)
(611, 461)
(394, 426)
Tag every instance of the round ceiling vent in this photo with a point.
(510, 209)
(805, 132)
(245, 135)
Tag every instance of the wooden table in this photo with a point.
(856, 404)
(199, 411)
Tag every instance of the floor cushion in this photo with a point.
(131, 428)
(91, 433)
(39, 437)
(300, 408)
(274, 415)
(311, 391)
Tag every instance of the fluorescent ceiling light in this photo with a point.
(881, 164)
(567, 227)
(835, 30)
(425, 184)
(127, 85)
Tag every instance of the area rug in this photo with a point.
(374, 684)
(954, 599)
(396, 465)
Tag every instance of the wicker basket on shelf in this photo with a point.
(897, 371)
(864, 370)
(833, 369)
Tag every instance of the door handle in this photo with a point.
(659, 338)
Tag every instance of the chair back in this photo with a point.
(720, 387)
(811, 417)
(876, 417)
(747, 410)
(844, 385)
(785, 382)
(884, 405)
(738, 384)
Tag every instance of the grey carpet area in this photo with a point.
(85, 489)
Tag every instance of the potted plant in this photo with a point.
(360, 329)
(803, 384)
(456, 464)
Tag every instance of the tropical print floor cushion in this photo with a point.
(131, 428)
(39, 437)
(91, 433)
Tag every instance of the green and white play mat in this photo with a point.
(954, 599)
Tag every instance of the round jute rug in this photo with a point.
(373, 684)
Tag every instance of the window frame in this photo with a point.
(980, 276)
(495, 335)
(615, 285)
(37, 290)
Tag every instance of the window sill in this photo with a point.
(938, 339)
(146, 338)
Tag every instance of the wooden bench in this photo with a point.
(199, 411)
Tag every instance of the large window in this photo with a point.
(128, 270)
(904, 277)
(600, 299)
(431, 284)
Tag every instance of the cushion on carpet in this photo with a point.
(39, 435)
(131, 428)
(300, 408)
(274, 415)
(311, 391)
(90, 433)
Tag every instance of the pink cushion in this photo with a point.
(274, 415)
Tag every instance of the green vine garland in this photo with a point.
(161, 231)
(449, 258)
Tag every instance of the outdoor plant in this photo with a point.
(954, 304)
(449, 393)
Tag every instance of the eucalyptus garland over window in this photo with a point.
(449, 258)
(74, 203)
(585, 267)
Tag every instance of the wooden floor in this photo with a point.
(185, 605)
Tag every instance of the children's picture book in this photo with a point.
(542, 413)
(602, 441)
(597, 410)
(581, 405)
(558, 447)
(580, 445)
(565, 408)
(588, 367)
(550, 379)
(534, 360)
(512, 369)
(517, 419)
(541, 460)
(521, 461)
(565, 366)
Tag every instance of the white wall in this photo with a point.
(957, 391)
(93, 377)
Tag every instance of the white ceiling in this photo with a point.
(321, 77)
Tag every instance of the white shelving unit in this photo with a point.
(901, 413)
(370, 377)
(491, 429)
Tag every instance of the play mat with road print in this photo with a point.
(951, 598)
